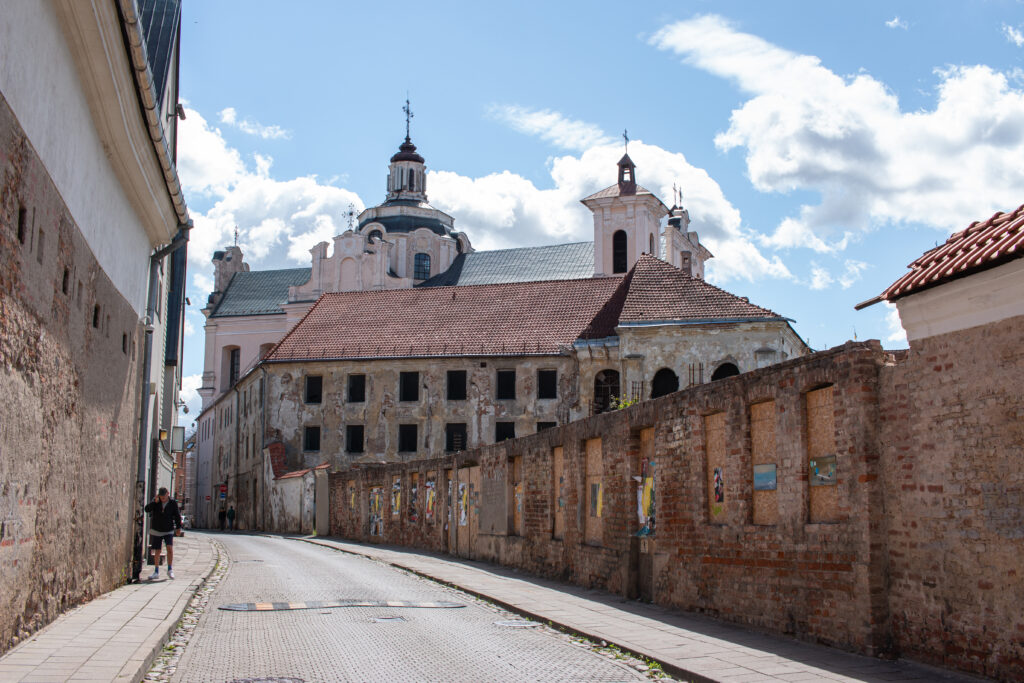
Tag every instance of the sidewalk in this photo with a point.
(690, 647)
(116, 636)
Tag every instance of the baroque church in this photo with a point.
(403, 341)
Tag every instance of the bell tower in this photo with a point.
(627, 221)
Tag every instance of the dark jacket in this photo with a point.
(167, 519)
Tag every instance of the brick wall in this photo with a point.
(69, 374)
(895, 525)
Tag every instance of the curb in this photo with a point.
(667, 667)
(139, 673)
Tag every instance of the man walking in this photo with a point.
(231, 518)
(164, 525)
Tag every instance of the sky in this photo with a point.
(819, 147)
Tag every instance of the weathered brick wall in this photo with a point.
(820, 581)
(953, 461)
(69, 373)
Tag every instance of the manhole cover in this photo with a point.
(384, 620)
(517, 623)
(275, 606)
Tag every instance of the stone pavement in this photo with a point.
(116, 636)
(691, 647)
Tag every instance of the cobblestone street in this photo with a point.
(361, 644)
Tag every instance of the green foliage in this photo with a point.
(620, 403)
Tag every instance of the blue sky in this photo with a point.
(820, 147)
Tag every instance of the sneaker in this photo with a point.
(154, 576)
(170, 573)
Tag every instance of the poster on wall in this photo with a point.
(414, 493)
(463, 504)
(645, 499)
(376, 511)
(823, 470)
(396, 497)
(431, 499)
(719, 486)
(595, 500)
(764, 477)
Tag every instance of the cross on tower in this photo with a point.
(236, 235)
(625, 136)
(408, 115)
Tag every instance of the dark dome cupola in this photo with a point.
(407, 173)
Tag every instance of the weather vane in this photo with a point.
(351, 215)
(625, 136)
(236, 235)
(408, 115)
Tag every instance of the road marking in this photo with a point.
(278, 606)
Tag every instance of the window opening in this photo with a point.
(541, 426)
(354, 438)
(376, 235)
(455, 437)
(409, 386)
(314, 388)
(547, 384)
(725, 370)
(504, 431)
(506, 385)
(665, 382)
(606, 387)
(64, 281)
(22, 220)
(456, 385)
(356, 388)
(234, 366)
(407, 438)
(311, 439)
(421, 266)
(619, 258)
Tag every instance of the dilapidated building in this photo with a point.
(454, 348)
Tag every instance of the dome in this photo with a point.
(407, 152)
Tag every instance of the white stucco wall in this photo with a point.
(986, 297)
(41, 84)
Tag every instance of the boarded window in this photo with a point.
(504, 431)
(354, 438)
(314, 388)
(541, 426)
(356, 388)
(594, 495)
(455, 437)
(409, 386)
(407, 438)
(311, 439)
(456, 385)
(714, 447)
(547, 384)
(765, 474)
(644, 478)
(821, 456)
(516, 502)
(506, 385)
(557, 494)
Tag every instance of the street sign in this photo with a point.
(223, 495)
(223, 488)
(207, 498)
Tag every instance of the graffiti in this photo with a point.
(414, 492)
(645, 502)
(396, 497)
(431, 499)
(463, 504)
(376, 511)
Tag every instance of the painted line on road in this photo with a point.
(279, 606)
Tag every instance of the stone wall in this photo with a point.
(69, 378)
(910, 544)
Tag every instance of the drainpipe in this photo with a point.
(139, 545)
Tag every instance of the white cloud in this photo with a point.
(851, 273)
(895, 327)
(820, 278)
(896, 22)
(190, 395)
(550, 126)
(1014, 35)
(845, 138)
(230, 117)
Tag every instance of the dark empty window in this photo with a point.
(356, 388)
(665, 382)
(409, 386)
(124, 344)
(456, 385)
(421, 266)
(541, 426)
(506, 384)
(314, 388)
(619, 251)
(233, 366)
(22, 220)
(547, 384)
(606, 387)
(64, 281)
(455, 437)
(725, 370)
(354, 438)
(377, 235)
(412, 179)
(406, 438)
(311, 439)
(504, 430)
(96, 316)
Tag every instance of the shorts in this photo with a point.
(154, 541)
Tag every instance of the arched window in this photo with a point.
(619, 251)
(725, 370)
(376, 235)
(412, 179)
(606, 386)
(421, 266)
(665, 382)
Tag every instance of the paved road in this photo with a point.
(349, 644)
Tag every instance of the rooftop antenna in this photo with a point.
(625, 136)
(408, 115)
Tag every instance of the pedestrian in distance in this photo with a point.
(222, 515)
(164, 525)
(231, 518)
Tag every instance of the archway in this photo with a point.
(665, 382)
(725, 370)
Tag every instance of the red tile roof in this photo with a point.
(978, 247)
(521, 318)
(617, 190)
(658, 291)
(511, 319)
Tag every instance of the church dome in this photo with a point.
(407, 152)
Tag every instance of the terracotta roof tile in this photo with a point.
(524, 318)
(978, 247)
(659, 291)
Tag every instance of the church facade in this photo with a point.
(405, 342)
